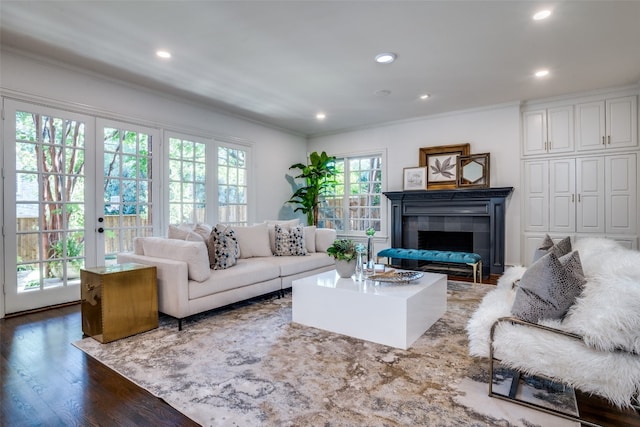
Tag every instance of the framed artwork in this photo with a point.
(473, 170)
(415, 179)
(442, 164)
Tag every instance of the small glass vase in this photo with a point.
(371, 263)
(359, 275)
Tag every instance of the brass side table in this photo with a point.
(118, 301)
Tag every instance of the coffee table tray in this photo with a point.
(397, 277)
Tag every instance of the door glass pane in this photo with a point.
(50, 209)
(127, 189)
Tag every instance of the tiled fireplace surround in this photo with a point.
(479, 212)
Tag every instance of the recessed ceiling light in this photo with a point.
(425, 96)
(163, 54)
(542, 73)
(386, 58)
(543, 14)
(321, 116)
(382, 92)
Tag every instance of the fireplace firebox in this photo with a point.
(467, 220)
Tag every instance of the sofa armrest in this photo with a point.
(173, 286)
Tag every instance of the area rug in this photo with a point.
(249, 365)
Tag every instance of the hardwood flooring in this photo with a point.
(46, 381)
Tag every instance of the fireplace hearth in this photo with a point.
(468, 220)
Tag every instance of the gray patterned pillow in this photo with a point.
(290, 242)
(223, 248)
(559, 249)
(549, 287)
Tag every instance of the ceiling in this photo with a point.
(282, 62)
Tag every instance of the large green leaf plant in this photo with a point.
(319, 179)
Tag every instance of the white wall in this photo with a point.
(274, 150)
(495, 130)
(29, 79)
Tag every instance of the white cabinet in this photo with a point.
(590, 195)
(602, 125)
(548, 131)
(621, 194)
(581, 195)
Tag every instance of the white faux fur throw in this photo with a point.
(606, 314)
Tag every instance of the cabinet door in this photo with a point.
(535, 132)
(536, 195)
(590, 126)
(622, 122)
(590, 195)
(562, 186)
(560, 129)
(620, 193)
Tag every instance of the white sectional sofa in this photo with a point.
(187, 285)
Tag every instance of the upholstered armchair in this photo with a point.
(594, 346)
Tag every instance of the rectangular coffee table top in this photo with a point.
(330, 279)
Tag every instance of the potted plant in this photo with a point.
(345, 253)
(319, 179)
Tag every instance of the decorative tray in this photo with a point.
(397, 276)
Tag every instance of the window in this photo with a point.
(187, 181)
(356, 204)
(232, 186)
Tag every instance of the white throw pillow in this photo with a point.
(193, 253)
(182, 233)
(324, 238)
(203, 230)
(253, 240)
(310, 238)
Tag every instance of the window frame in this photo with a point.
(383, 233)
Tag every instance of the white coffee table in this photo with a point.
(392, 314)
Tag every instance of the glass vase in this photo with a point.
(371, 263)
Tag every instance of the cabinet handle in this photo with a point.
(573, 198)
(579, 198)
(609, 139)
(603, 140)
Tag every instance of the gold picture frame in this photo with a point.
(474, 171)
(441, 163)
(414, 179)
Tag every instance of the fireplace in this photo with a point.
(466, 220)
(458, 241)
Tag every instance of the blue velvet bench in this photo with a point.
(446, 257)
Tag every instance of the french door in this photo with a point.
(72, 184)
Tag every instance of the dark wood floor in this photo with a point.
(46, 381)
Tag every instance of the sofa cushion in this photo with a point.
(289, 241)
(289, 265)
(549, 287)
(246, 272)
(253, 240)
(223, 248)
(193, 253)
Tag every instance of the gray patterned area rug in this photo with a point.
(248, 365)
